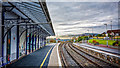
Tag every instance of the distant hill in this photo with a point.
(86, 34)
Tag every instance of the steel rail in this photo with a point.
(64, 62)
(72, 57)
(91, 56)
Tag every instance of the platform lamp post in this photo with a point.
(117, 36)
(92, 32)
(111, 30)
(88, 35)
(111, 25)
(106, 34)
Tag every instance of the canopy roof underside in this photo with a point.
(37, 12)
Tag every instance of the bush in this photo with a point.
(95, 42)
(116, 43)
(79, 39)
(52, 41)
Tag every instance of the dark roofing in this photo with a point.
(114, 31)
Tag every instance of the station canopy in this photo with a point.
(37, 12)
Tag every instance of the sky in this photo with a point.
(71, 18)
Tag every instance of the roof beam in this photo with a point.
(27, 16)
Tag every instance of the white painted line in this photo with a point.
(59, 61)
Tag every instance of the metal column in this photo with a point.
(26, 39)
(38, 42)
(35, 42)
(45, 41)
(32, 42)
(2, 35)
(0, 31)
(17, 41)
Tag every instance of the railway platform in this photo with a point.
(37, 59)
(61, 55)
(112, 50)
(54, 60)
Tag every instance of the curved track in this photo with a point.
(73, 56)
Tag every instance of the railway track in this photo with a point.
(73, 56)
(67, 60)
(109, 57)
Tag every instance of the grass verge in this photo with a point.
(104, 42)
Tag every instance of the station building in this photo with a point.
(114, 31)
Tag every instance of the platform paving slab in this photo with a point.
(34, 59)
(53, 61)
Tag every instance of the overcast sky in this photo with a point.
(79, 17)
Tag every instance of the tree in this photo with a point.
(80, 38)
(85, 37)
(74, 38)
(99, 35)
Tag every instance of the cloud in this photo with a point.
(78, 17)
(82, 0)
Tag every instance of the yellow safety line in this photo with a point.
(45, 58)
